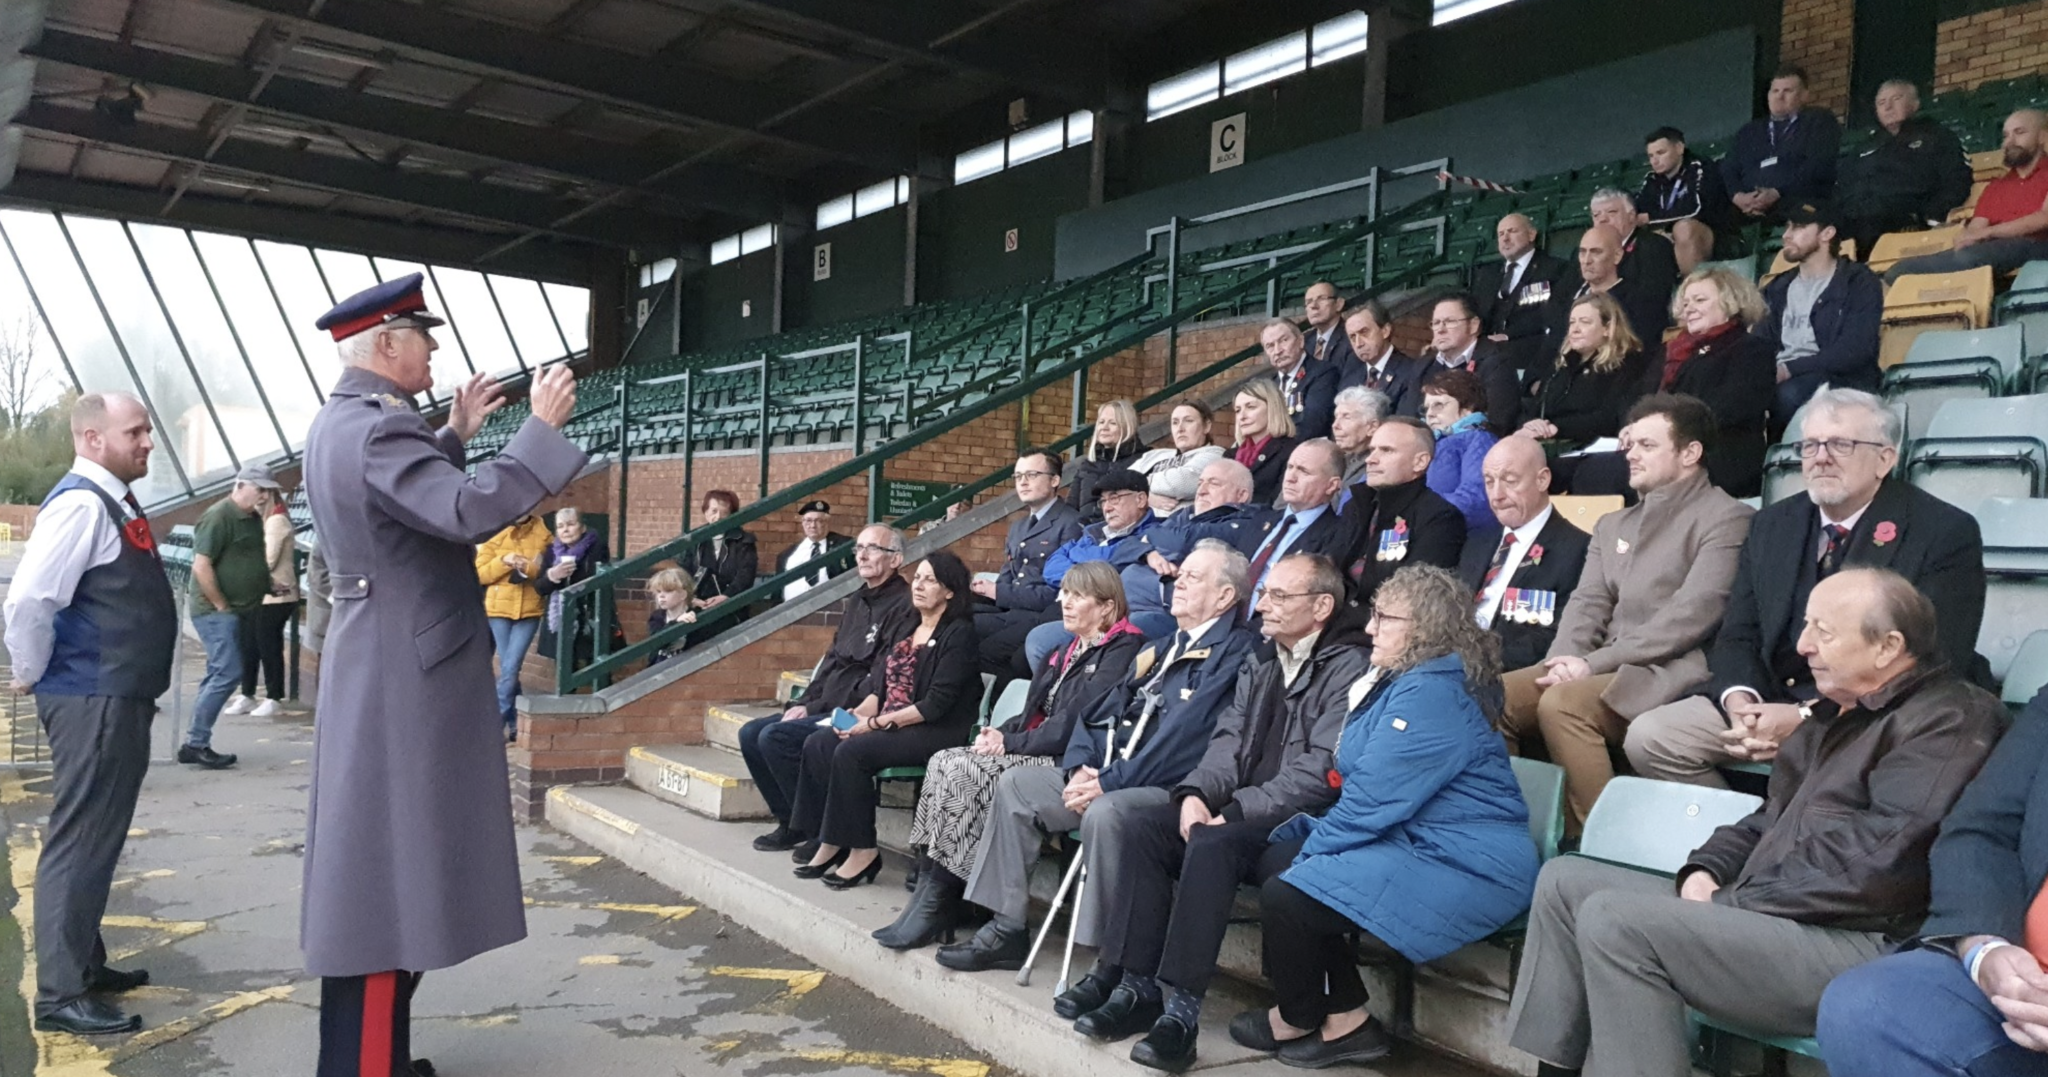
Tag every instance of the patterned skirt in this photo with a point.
(959, 786)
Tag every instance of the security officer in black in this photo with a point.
(1909, 177)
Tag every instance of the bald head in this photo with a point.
(112, 430)
(1517, 477)
(2024, 137)
(1515, 235)
(1599, 255)
(1400, 452)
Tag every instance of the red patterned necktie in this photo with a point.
(1838, 544)
(137, 530)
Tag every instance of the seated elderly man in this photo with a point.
(1222, 510)
(1307, 386)
(1908, 177)
(1325, 341)
(1268, 760)
(1853, 513)
(1358, 414)
(1646, 257)
(1377, 364)
(1970, 995)
(1393, 518)
(1525, 567)
(1179, 683)
(1513, 292)
(2009, 227)
(1656, 580)
(1817, 881)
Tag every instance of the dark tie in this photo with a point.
(1321, 343)
(817, 551)
(1258, 566)
(1507, 279)
(1838, 544)
(1500, 561)
(1372, 378)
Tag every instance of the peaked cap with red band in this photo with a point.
(393, 304)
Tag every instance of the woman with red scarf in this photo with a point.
(1715, 357)
(1265, 436)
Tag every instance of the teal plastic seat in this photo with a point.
(2028, 670)
(2015, 578)
(1955, 364)
(1543, 789)
(1978, 449)
(1653, 825)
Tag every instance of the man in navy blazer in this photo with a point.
(1760, 687)
(1377, 364)
(1515, 292)
(1308, 387)
(1523, 568)
(1834, 339)
(1970, 994)
(1785, 156)
(1324, 341)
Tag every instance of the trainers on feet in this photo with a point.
(238, 704)
(265, 709)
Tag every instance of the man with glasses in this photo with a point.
(873, 619)
(1016, 599)
(1854, 513)
(1455, 344)
(1126, 503)
(1326, 341)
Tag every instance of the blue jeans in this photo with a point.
(2001, 255)
(221, 634)
(513, 639)
(1916, 1014)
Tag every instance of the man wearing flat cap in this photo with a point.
(816, 519)
(230, 577)
(410, 861)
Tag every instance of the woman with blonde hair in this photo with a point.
(1265, 437)
(1591, 381)
(1735, 372)
(1115, 446)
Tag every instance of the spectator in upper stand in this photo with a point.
(1268, 759)
(1760, 688)
(874, 619)
(1514, 291)
(1716, 359)
(1308, 522)
(1358, 414)
(1820, 879)
(1522, 569)
(2009, 227)
(1655, 582)
(1265, 435)
(1823, 319)
(1581, 396)
(1646, 257)
(1393, 518)
(1455, 344)
(1909, 177)
(1325, 341)
(1306, 387)
(723, 565)
(1648, 310)
(1789, 154)
(1125, 519)
(1970, 994)
(815, 518)
(1379, 365)
(1174, 469)
(506, 564)
(1682, 197)
(1223, 509)
(1014, 602)
(1114, 447)
(1462, 440)
(670, 589)
(1151, 744)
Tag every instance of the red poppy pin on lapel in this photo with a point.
(1885, 532)
(1535, 554)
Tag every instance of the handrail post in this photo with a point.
(1272, 293)
(1172, 299)
(689, 445)
(860, 412)
(606, 603)
(1024, 372)
(565, 640)
(625, 429)
(764, 424)
(1080, 403)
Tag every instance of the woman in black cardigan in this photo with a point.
(1582, 394)
(1081, 680)
(1114, 447)
(721, 567)
(1717, 359)
(924, 697)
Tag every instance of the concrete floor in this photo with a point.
(618, 974)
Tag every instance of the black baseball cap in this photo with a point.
(1811, 211)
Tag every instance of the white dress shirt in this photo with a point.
(72, 535)
(1511, 273)
(802, 555)
(1525, 537)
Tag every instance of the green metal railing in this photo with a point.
(593, 601)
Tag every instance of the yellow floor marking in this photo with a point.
(664, 912)
(799, 982)
(575, 861)
(185, 1026)
(939, 1067)
(490, 1020)
(138, 832)
(598, 959)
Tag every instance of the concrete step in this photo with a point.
(708, 780)
(722, 721)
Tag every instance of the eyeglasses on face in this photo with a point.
(877, 551)
(1026, 476)
(1837, 447)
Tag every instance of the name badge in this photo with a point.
(1768, 162)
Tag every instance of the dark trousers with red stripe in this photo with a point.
(366, 1024)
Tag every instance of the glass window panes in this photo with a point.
(483, 332)
(1080, 128)
(1272, 60)
(978, 162)
(874, 198)
(725, 250)
(526, 311)
(1041, 141)
(346, 273)
(758, 238)
(837, 211)
(303, 291)
(238, 402)
(41, 379)
(1182, 91)
(273, 350)
(571, 308)
(657, 273)
(1448, 10)
(1340, 37)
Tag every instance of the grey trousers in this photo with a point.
(99, 751)
(1614, 957)
(1680, 742)
(1105, 830)
(1027, 808)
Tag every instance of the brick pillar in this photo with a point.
(1819, 36)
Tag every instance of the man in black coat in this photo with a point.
(815, 517)
(1455, 344)
(1834, 339)
(1648, 310)
(1522, 569)
(1761, 688)
(1377, 364)
(1308, 387)
(1514, 291)
(1325, 341)
(1014, 603)
(1786, 155)
(1910, 176)
(1393, 518)
(1682, 197)
(1647, 259)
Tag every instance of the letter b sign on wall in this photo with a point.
(1226, 143)
(821, 262)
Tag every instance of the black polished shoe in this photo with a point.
(1254, 1029)
(779, 840)
(1089, 994)
(205, 757)
(88, 1017)
(990, 948)
(835, 881)
(422, 1068)
(106, 981)
(814, 871)
(803, 853)
(1366, 1043)
(1120, 1016)
(1170, 1046)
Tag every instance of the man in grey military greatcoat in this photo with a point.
(410, 861)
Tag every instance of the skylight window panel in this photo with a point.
(1272, 60)
(1183, 91)
(875, 198)
(1340, 37)
(978, 162)
(1080, 128)
(758, 238)
(725, 250)
(1450, 10)
(1040, 141)
(837, 211)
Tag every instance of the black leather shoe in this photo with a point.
(1254, 1030)
(88, 1017)
(1120, 1017)
(813, 871)
(779, 840)
(835, 881)
(803, 853)
(113, 981)
(1170, 1046)
(422, 1068)
(1366, 1043)
(205, 757)
(1087, 995)
(990, 948)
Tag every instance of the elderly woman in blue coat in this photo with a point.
(1427, 848)
(1454, 406)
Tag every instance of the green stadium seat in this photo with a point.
(1654, 826)
(1543, 788)
(2015, 534)
(2027, 672)
(1975, 449)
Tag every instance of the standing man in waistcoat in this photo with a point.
(410, 861)
(90, 627)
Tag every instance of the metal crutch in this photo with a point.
(1059, 898)
(1073, 929)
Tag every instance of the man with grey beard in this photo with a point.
(1760, 688)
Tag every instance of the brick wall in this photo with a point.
(1819, 35)
(2003, 43)
(19, 518)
